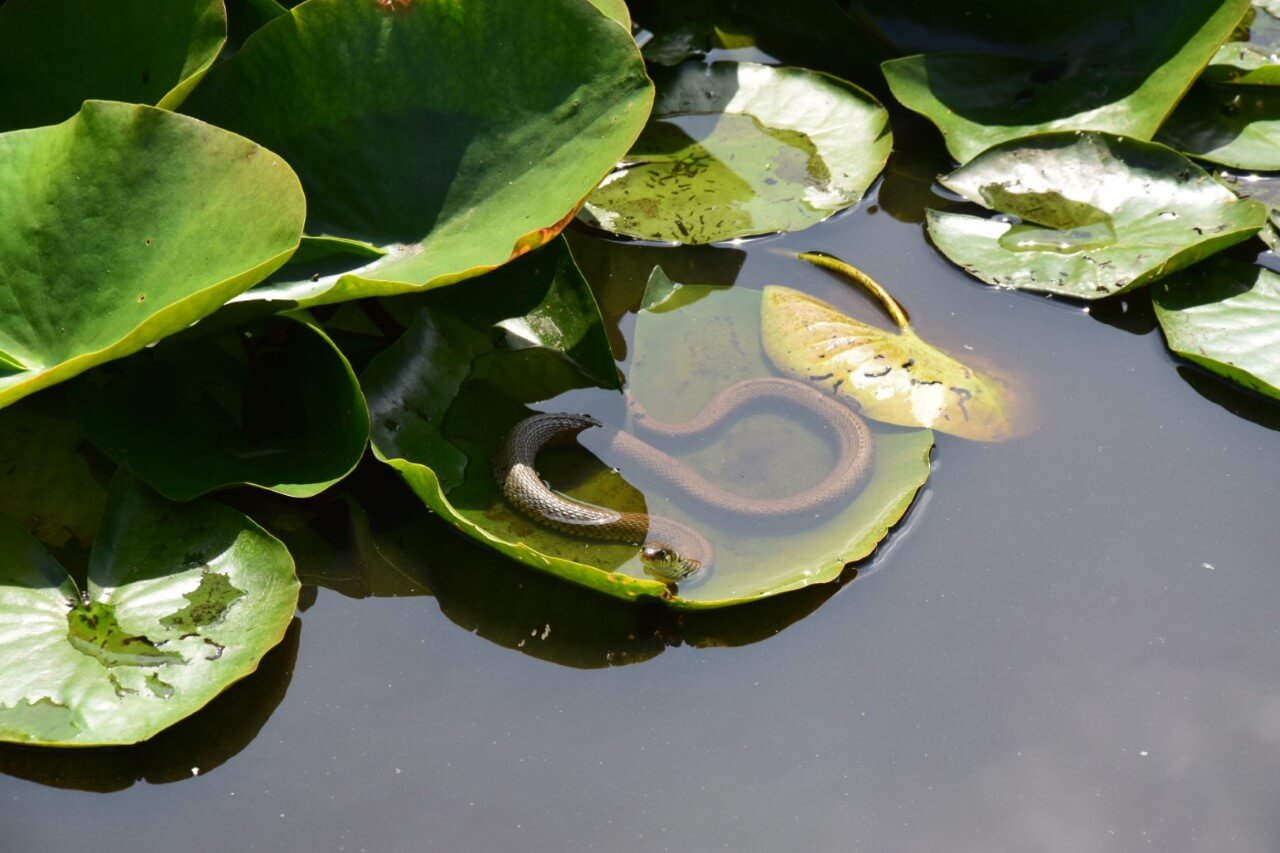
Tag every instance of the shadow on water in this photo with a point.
(200, 743)
(1129, 312)
(377, 540)
(1239, 401)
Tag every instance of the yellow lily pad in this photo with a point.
(894, 376)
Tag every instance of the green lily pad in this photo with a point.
(55, 56)
(1225, 316)
(182, 600)
(448, 181)
(275, 405)
(444, 397)
(1113, 72)
(615, 9)
(48, 484)
(135, 223)
(892, 376)
(1235, 126)
(736, 148)
(767, 453)
(817, 34)
(471, 365)
(1101, 214)
(1252, 57)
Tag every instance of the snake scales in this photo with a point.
(671, 550)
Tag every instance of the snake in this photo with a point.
(670, 550)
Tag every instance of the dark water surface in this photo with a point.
(1071, 645)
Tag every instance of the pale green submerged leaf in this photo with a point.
(1225, 316)
(1096, 75)
(56, 55)
(446, 181)
(182, 601)
(273, 405)
(134, 223)
(737, 148)
(691, 342)
(1101, 214)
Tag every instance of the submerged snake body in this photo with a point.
(672, 550)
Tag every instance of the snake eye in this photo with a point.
(657, 552)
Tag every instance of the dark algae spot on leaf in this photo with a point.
(94, 631)
(209, 603)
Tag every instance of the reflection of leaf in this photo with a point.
(182, 600)
(893, 376)
(1108, 71)
(1225, 315)
(1103, 214)
(735, 149)
(450, 180)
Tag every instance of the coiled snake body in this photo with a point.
(671, 550)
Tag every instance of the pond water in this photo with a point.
(1069, 644)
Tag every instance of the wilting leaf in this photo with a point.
(450, 136)
(893, 376)
(182, 600)
(134, 223)
(274, 405)
(56, 55)
(1101, 215)
(1225, 316)
(1107, 69)
(737, 148)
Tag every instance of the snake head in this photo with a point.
(662, 561)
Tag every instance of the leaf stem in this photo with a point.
(829, 262)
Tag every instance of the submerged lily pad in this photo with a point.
(1225, 316)
(893, 376)
(1111, 71)
(1101, 214)
(1232, 125)
(182, 600)
(56, 55)
(143, 223)
(274, 405)
(692, 341)
(447, 180)
(736, 148)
